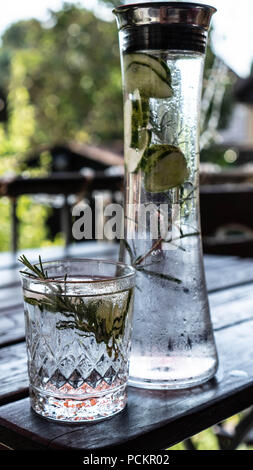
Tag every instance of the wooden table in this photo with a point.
(152, 419)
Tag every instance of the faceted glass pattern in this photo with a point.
(75, 374)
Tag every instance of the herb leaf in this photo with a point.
(105, 319)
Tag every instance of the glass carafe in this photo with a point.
(162, 49)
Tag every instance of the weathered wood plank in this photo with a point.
(10, 285)
(192, 410)
(13, 373)
(218, 268)
(12, 328)
(242, 268)
(228, 306)
(231, 306)
(10, 298)
(5, 447)
(86, 249)
(231, 273)
(9, 278)
(154, 419)
(214, 261)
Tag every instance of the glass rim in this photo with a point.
(164, 4)
(26, 274)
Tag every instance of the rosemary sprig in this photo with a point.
(167, 277)
(136, 263)
(142, 258)
(101, 317)
(35, 271)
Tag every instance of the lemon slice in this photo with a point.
(165, 167)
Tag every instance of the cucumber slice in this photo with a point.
(149, 75)
(151, 155)
(136, 122)
(157, 64)
(165, 167)
(137, 136)
(133, 119)
(145, 111)
(133, 156)
(148, 82)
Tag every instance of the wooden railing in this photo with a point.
(226, 199)
(65, 184)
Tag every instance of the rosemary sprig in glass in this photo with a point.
(98, 316)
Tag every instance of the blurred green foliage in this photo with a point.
(208, 440)
(66, 74)
(63, 82)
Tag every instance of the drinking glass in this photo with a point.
(78, 323)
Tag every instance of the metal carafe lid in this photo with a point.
(164, 26)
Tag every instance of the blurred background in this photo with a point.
(61, 119)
